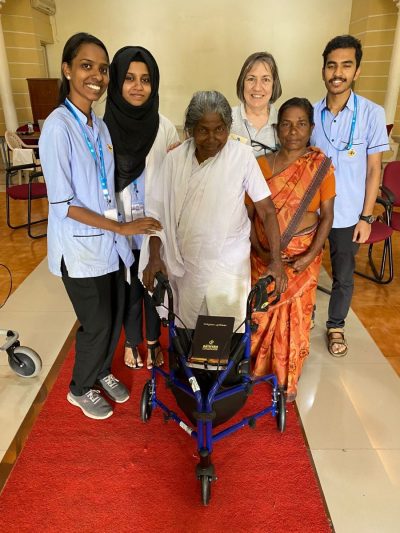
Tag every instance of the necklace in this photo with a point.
(287, 164)
(273, 163)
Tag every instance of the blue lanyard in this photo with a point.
(102, 175)
(353, 126)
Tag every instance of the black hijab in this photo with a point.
(133, 129)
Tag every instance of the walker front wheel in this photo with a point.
(281, 412)
(25, 362)
(145, 403)
(205, 489)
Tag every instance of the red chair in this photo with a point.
(33, 190)
(391, 181)
(382, 229)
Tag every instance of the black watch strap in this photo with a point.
(367, 218)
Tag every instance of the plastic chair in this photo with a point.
(21, 153)
(383, 227)
(28, 192)
(14, 142)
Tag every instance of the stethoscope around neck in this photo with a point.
(352, 128)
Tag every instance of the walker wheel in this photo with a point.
(25, 362)
(205, 489)
(145, 403)
(281, 411)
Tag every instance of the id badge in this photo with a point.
(111, 214)
(137, 211)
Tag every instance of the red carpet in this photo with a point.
(120, 475)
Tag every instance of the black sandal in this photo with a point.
(133, 361)
(156, 356)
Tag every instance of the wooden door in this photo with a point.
(43, 93)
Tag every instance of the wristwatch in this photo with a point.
(368, 218)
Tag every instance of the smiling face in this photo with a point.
(294, 129)
(87, 75)
(136, 88)
(340, 70)
(210, 135)
(258, 85)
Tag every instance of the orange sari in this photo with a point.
(282, 340)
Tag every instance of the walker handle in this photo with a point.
(163, 286)
(261, 296)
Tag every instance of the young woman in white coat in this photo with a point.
(141, 138)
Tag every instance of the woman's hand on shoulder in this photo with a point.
(140, 226)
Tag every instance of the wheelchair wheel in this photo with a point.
(145, 403)
(205, 489)
(25, 362)
(281, 412)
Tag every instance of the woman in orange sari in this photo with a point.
(302, 185)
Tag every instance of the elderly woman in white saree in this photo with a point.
(204, 246)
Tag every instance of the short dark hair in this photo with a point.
(303, 103)
(264, 57)
(71, 49)
(344, 41)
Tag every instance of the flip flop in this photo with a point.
(135, 361)
(156, 356)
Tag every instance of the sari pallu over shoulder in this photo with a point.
(292, 191)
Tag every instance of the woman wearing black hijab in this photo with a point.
(141, 138)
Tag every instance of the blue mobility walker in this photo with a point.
(210, 396)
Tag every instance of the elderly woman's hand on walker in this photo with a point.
(155, 264)
(266, 211)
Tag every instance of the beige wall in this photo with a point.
(24, 29)
(374, 23)
(202, 44)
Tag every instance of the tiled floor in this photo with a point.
(349, 407)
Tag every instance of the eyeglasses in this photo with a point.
(262, 149)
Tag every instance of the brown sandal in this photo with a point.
(132, 357)
(338, 339)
